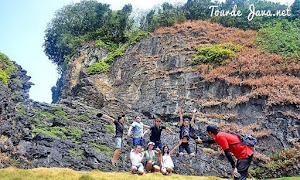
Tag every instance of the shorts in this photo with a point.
(138, 141)
(157, 144)
(139, 167)
(185, 146)
(119, 144)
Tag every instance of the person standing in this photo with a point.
(119, 135)
(185, 133)
(231, 143)
(156, 133)
(138, 132)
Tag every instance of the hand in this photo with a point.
(195, 110)
(180, 141)
(99, 115)
(199, 140)
(235, 173)
(179, 109)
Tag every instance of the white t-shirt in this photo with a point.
(137, 129)
(167, 161)
(136, 158)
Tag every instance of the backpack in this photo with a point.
(247, 139)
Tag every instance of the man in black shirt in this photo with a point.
(156, 133)
(119, 134)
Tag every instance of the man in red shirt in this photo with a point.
(232, 143)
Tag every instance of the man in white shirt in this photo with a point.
(136, 157)
(138, 131)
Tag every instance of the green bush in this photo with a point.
(7, 68)
(98, 67)
(4, 77)
(120, 51)
(280, 165)
(280, 38)
(76, 153)
(216, 54)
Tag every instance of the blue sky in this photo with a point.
(22, 26)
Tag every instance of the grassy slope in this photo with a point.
(69, 174)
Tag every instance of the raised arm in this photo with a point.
(105, 116)
(148, 130)
(193, 118)
(146, 126)
(176, 147)
(129, 130)
(180, 116)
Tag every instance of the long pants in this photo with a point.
(242, 167)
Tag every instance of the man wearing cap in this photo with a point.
(185, 130)
(231, 143)
(156, 133)
(119, 134)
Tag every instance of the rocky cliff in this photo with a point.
(256, 93)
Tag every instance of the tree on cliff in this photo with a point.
(77, 23)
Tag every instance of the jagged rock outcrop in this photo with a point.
(152, 79)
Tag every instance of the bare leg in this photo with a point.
(115, 157)
(148, 166)
(133, 169)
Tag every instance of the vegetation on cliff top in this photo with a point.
(7, 68)
(78, 23)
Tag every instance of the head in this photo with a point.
(138, 119)
(121, 119)
(165, 150)
(150, 146)
(157, 122)
(186, 122)
(138, 148)
(212, 130)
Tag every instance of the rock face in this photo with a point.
(152, 79)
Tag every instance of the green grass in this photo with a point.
(102, 148)
(68, 174)
(82, 117)
(57, 110)
(110, 128)
(57, 132)
(76, 153)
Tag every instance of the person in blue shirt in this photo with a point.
(138, 132)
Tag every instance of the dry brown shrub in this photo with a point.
(253, 129)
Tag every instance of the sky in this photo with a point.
(22, 27)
